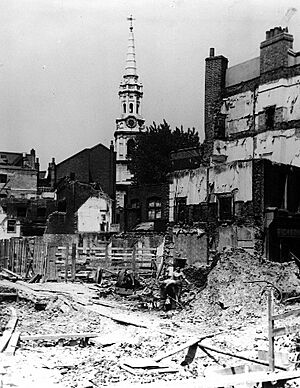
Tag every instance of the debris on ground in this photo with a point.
(75, 335)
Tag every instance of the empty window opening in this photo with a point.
(131, 107)
(181, 210)
(3, 178)
(225, 207)
(270, 116)
(124, 108)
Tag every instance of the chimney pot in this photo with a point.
(212, 52)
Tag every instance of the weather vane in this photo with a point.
(130, 18)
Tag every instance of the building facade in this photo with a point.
(247, 195)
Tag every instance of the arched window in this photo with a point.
(131, 107)
(137, 108)
(130, 147)
(154, 209)
(124, 108)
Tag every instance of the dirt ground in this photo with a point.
(233, 306)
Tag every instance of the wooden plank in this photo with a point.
(271, 329)
(13, 343)
(255, 361)
(12, 273)
(280, 331)
(10, 327)
(294, 313)
(73, 262)
(51, 337)
(179, 348)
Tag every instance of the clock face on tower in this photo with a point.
(131, 122)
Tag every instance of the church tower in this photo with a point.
(130, 122)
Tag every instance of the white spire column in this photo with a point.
(130, 122)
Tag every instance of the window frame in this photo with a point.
(155, 209)
(221, 197)
(8, 226)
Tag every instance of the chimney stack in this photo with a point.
(274, 49)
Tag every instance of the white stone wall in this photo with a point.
(191, 184)
(94, 212)
(284, 93)
(239, 112)
(235, 178)
(232, 178)
(4, 234)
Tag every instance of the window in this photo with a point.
(135, 204)
(11, 226)
(181, 210)
(154, 209)
(124, 108)
(225, 207)
(130, 147)
(21, 211)
(131, 107)
(3, 178)
(137, 108)
(269, 116)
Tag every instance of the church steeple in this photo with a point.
(131, 90)
(130, 69)
(130, 122)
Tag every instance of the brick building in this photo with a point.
(147, 207)
(246, 193)
(81, 208)
(91, 165)
(24, 204)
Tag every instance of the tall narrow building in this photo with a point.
(129, 124)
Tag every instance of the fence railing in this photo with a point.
(30, 256)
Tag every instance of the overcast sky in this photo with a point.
(61, 62)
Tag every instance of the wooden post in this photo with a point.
(271, 327)
(73, 261)
(106, 259)
(133, 263)
(66, 262)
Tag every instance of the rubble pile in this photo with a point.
(236, 287)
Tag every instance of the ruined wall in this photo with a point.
(239, 112)
(232, 177)
(189, 184)
(231, 150)
(95, 215)
(21, 182)
(192, 246)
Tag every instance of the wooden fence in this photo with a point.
(30, 256)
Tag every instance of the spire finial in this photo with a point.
(131, 19)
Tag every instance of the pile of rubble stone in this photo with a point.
(237, 287)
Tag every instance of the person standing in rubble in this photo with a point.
(171, 287)
(179, 278)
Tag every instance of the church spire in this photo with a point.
(130, 69)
